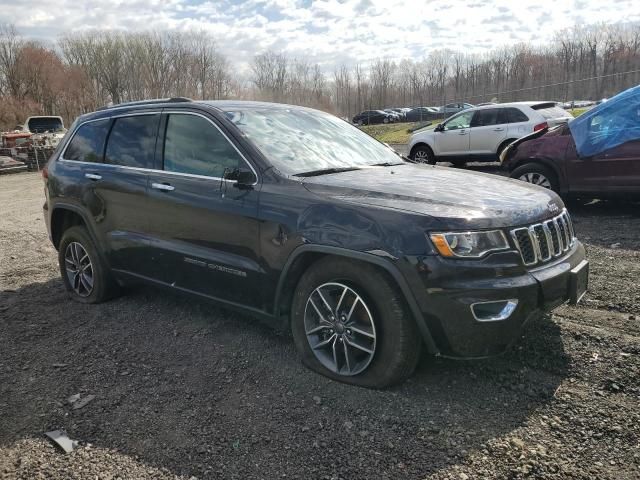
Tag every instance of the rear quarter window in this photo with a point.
(552, 112)
(87, 144)
(514, 115)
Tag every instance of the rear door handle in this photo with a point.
(92, 176)
(163, 186)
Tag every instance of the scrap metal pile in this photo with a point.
(22, 149)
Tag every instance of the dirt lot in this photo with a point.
(183, 388)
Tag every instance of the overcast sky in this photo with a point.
(326, 31)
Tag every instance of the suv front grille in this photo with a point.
(540, 242)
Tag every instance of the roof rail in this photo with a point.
(147, 102)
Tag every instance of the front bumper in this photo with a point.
(446, 289)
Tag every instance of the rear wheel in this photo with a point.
(423, 154)
(536, 174)
(353, 331)
(84, 273)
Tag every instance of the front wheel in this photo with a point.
(537, 175)
(353, 331)
(385, 120)
(423, 154)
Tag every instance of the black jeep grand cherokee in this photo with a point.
(303, 220)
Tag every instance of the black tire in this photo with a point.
(535, 171)
(385, 120)
(104, 286)
(398, 342)
(423, 154)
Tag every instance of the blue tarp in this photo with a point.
(608, 125)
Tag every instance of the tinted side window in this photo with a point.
(514, 115)
(193, 145)
(87, 145)
(486, 117)
(132, 141)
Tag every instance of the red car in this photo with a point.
(594, 155)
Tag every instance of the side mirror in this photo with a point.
(243, 178)
(439, 128)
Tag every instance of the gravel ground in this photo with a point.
(186, 389)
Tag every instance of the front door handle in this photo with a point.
(462, 133)
(498, 129)
(92, 176)
(163, 186)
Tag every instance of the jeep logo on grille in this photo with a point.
(553, 208)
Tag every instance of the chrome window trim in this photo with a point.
(72, 136)
(153, 170)
(226, 138)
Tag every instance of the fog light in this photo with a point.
(493, 311)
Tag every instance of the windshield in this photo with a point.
(45, 124)
(299, 140)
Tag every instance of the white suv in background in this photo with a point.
(481, 133)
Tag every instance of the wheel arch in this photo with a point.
(418, 144)
(304, 256)
(62, 218)
(504, 144)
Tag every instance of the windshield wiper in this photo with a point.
(325, 171)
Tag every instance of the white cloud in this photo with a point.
(326, 31)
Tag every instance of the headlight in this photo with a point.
(469, 244)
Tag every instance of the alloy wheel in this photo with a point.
(421, 156)
(536, 179)
(78, 269)
(340, 329)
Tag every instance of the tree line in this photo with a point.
(84, 71)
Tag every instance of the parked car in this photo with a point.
(481, 133)
(422, 114)
(372, 117)
(597, 154)
(397, 116)
(451, 108)
(43, 124)
(296, 217)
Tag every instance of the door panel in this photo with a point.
(486, 140)
(204, 236)
(454, 138)
(204, 229)
(452, 142)
(487, 131)
(616, 170)
(121, 216)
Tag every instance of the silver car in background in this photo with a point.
(481, 133)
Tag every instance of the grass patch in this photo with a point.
(576, 112)
(393, 132)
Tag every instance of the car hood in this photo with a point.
(458, 199)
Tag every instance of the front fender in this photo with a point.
(378, 258)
